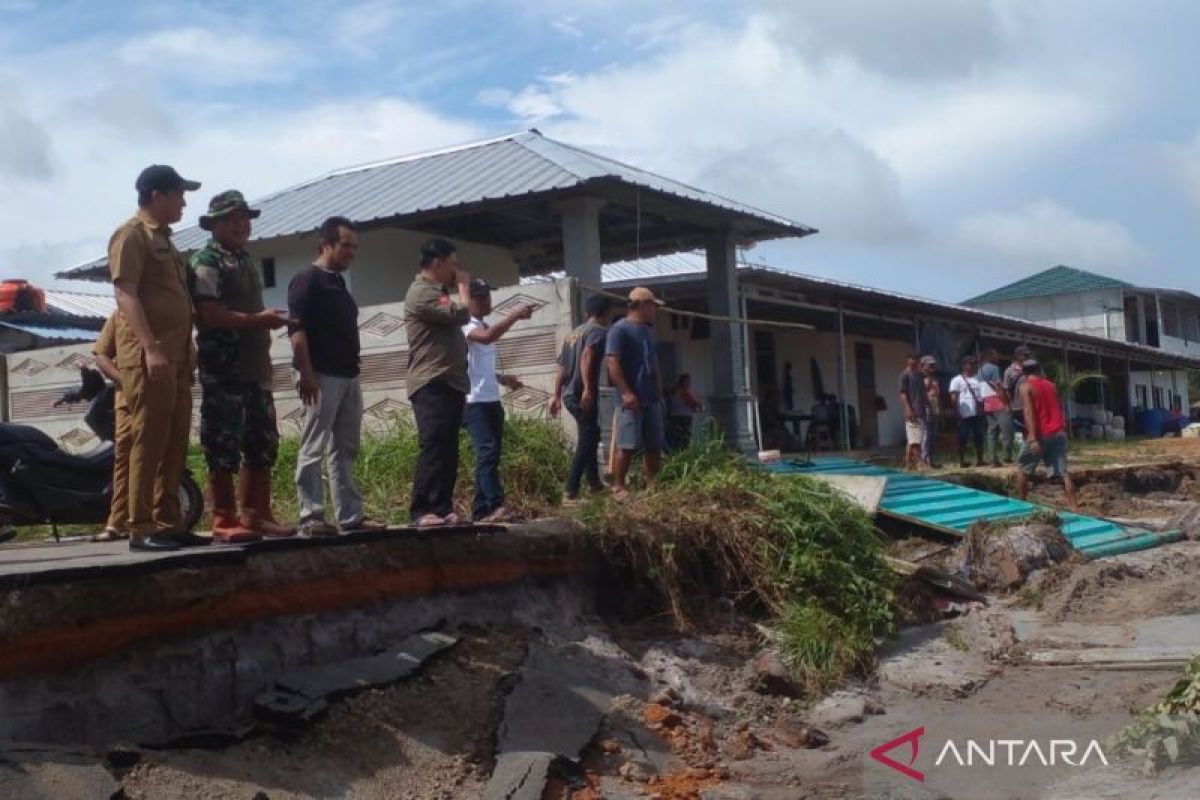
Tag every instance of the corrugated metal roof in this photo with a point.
(692, 266)
(81, 304)
(1056, 280)
(64, 334)
(511, 166)
(953, 509)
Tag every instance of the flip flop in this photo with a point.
(430, 521)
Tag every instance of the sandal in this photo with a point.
(110, 535)
(430, 521)
(453, 519)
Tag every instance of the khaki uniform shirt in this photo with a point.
(142, 255)
(106, 342)
(437, 349)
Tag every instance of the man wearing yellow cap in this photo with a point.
(631, 353)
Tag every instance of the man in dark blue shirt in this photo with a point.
(632, 357)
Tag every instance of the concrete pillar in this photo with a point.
(1162, 324)
(730, 399)
(1143, 332)
(843, 384)
(581, 244)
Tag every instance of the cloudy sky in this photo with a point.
(943, 147)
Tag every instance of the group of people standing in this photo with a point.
(146, 348)
(990, 406)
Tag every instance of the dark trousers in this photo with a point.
(485, 425)
(438, 410)
(971, 429)
(588, 443)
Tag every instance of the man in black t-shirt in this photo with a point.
(577, 386)
(325, 356)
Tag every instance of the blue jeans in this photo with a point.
(588, 443)
(485, 426)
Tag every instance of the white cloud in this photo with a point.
(1043, 234)
(915, 38)
(218, 57)
(265, 151)
(981, 129)
(26, 152)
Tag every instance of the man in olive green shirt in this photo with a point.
(437, 378)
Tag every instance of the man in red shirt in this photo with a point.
(1045, 432)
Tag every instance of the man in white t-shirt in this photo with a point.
(966, 395)
(483, 416)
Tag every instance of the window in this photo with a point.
(1143, 396)
(268, 272)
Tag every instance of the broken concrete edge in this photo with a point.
(63, 626)
(301, 695)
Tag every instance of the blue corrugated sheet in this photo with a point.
(952, 509)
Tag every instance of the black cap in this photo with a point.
(161, 178)
(597, 304)
(479, 288)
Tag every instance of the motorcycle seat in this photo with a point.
(95, 462)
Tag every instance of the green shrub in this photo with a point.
(789, 546)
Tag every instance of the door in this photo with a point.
(864, 372)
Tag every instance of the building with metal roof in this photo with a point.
(32, 330)
(812, 336)
(1086, 302)
(504, 192)
(516, 206)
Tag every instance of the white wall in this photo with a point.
(799, 347)
(386, 263)
(1083, 312)
(1161, 379)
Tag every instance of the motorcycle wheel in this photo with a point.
(191, 501)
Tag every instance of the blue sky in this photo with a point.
(943, 147)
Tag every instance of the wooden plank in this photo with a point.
(1098, 656)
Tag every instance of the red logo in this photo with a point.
(913, 739)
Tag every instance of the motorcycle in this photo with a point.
(42, 484)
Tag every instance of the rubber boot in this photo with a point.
(255, 487)
(226, 526)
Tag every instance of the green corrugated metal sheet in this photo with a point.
(952, 509)
(1056, 280)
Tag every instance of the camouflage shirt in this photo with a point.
(232, 280)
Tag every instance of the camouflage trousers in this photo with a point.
(237, 423)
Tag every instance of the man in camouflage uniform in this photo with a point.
(237, 411)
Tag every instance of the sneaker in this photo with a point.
(317, 529)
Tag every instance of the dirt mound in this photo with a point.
(997, 557)
(1149, 583)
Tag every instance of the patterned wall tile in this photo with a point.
(382, 324)
(29, 367)
(527, 397)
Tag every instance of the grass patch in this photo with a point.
(791, 548)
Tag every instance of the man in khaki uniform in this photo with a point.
(155, 356)
(105, 351)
